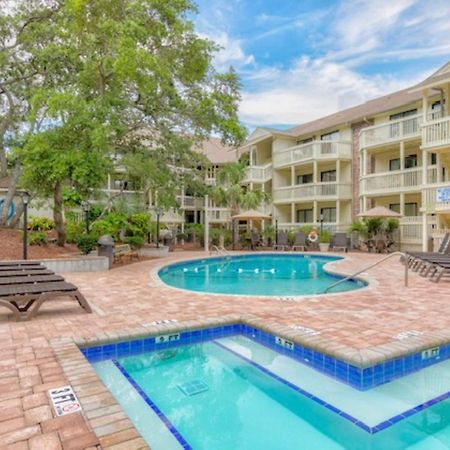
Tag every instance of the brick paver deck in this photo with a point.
(361, 325)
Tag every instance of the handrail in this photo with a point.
(222, 251)
(370, 267)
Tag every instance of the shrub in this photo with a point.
(135, 242)
(73, 231)
(324, 237)
(214, 235)
(41, 224)
(269, 234)
(138, 225)
(37, 238)
(227, 237)
(86, 243)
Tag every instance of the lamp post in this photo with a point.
(158, 213)
(86, 208)
(25, 200)
(321, 223)
(276, 231)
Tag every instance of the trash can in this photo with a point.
(168, 241)
(106, 248)
(430, 244)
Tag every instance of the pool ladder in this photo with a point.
(353, 275)
(222, 251)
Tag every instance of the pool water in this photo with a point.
(263, 274)
(234, 393)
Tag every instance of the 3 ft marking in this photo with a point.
(167, 338)
(64, 400)
(430, 353)
(284, 343)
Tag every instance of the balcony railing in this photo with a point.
(436, 133)
(219, 215)
(312, 150)
(313, 191)
(395, 130)
(332, 227)
(386, 182)
(189, 202)
(259, 174)
(411, 228)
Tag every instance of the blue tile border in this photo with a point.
(164, 419)
(357, 377)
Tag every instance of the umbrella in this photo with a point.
(251, 214)
(379, 211)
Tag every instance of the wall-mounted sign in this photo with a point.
(443, 195)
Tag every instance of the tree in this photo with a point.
(126, 75)
(230, 190)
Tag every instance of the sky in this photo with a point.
(299, 60)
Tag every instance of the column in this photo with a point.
(338, 171)
(424, 167)
(293, 213)
(402, 163)
(315, 216)
(315, 172)
(425, 104)
(109, 181)
(364, 162)
(447, 99)
(424, 232)
(438, 168)
(206, 222)
(293, 181)
(402, 204)
(338, 213)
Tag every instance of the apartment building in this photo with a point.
(393, 151)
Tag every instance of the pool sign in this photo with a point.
(163, 338)
(64, 400)
(284, 343)
(443, 195)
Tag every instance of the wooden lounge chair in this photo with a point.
(123, 251)
(24, 273)
(340, 242)
(30, 279)
(299, 242)
(282, 241)
(25, 299)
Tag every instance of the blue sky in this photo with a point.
(303, 59)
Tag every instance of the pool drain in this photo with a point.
(193, 387)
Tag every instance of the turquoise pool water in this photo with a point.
(240, 403)
(262, 274)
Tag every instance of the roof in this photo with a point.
(217, 152)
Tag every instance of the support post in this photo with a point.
(206, 225)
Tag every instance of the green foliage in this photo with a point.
(216, 234)
(291, 237)
(73, 231)
(392, 225)
(269, 234)
(138, 225)
(41, 224)
(37, 238)
(195, 231)
(135, 242)
(72, 197)
(306, 229)
(369, 227)
(86, 243)
(227, 237)
(324, 237)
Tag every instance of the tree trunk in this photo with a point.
(9, 198)
(58, 215)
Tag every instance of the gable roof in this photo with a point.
(217, 152)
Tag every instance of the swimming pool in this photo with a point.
(260, 274)
(231, 388)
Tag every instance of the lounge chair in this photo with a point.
(24, 273)
(340, 242)
(282, 241)
(25, 293)
(417, 260)
(299, 242)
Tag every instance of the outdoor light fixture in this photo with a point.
(158, 211)
(321, 223)
(25, 200)
(86, 208)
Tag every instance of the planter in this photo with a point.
(154, 252)
(86, 263)
(324, 247)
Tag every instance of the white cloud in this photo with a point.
(312, 89)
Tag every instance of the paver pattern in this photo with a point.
(365, 321)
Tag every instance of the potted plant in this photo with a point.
(324, 240)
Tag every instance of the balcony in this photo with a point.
(390, 182)
(316, 150)
(390, 132)
(411, 228)
(436, 134)
(258, 174)
(189, 202)
(332, 227)
(219, 215)
(312, 191)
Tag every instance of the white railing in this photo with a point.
(436, 133)
(332, 227)
(312, 191)
(219, 214)
(258, 174)
(432, 175)
(411, 228)
(429, 198)
(394, 130)
(312, 150)
(386, 182)
(188, 201)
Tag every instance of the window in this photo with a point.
(304, 141)
(410, 209)
(304, 215)
(333, 136)
(394, 164)
(433, 159)
(305, 179)
(410, 112)
(329, 214)
(328, 175)
(410, 161)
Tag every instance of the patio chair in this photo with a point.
(24, 293)
(282, 241)
(340, 242)
(299, 242)
(416, 260)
